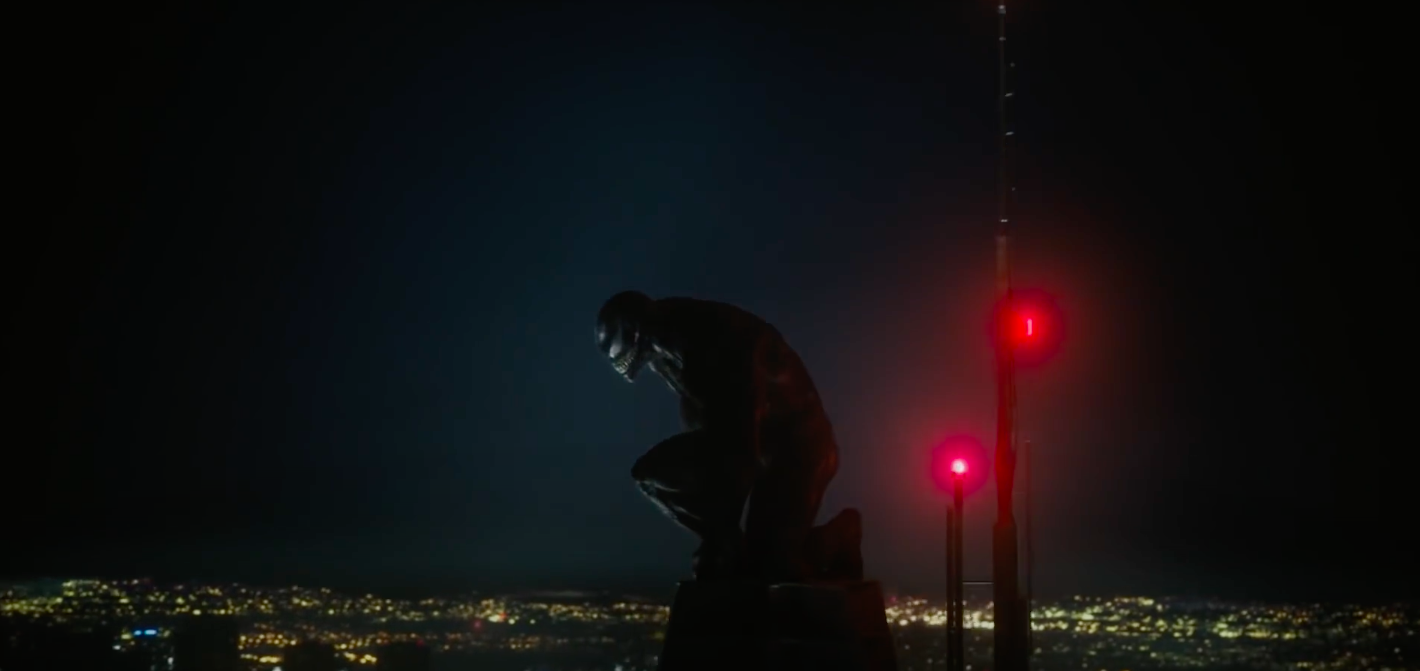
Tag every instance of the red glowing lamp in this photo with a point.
(959, 460)
(1023, 326)
(1031, 324)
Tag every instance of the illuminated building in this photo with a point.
(144, 648)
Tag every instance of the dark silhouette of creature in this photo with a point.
(757, 444)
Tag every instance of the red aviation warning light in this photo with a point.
(1032, 324)
(1022, 326)
(960, 459)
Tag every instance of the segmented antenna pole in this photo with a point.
(1002, 185)
(1009, 650)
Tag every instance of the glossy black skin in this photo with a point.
(755, 431)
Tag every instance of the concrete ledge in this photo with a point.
(761, 627)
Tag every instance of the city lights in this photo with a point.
(1114, 633)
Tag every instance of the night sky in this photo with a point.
(307, 296)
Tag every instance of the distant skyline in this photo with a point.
(976, 595)
(309, 298)
(614, 630)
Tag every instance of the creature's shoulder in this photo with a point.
(705, 314)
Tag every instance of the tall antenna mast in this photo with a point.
(1003, 188)
(1010, 612)
(1006, 373)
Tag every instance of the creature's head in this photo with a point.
(620, 327)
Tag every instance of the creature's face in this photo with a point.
(622, 345)
(620, 337)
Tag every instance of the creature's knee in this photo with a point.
(641, 470)
(848, 522)
(654, 468)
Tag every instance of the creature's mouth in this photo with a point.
(625, 361)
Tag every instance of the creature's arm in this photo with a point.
(716, 365)
(749, 377)
(691, 417)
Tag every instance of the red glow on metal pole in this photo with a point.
(1028, 328)
(959, 466)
